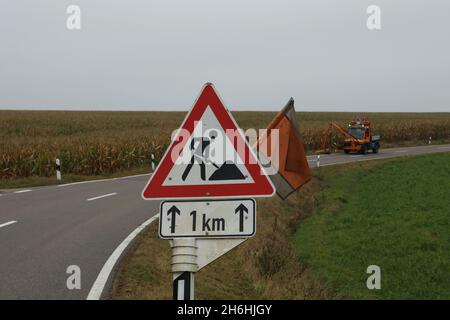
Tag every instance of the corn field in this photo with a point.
(101, 143)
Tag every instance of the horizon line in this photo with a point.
(187, 110)
(138, 109)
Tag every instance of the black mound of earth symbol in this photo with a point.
(227, 171)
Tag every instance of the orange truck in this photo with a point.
(357, 138)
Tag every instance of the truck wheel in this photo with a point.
(375, 150)
(364, 150)
(347, 151)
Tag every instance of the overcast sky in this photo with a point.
(156, 55)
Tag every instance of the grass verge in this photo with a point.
(318, 243)
(395, 215)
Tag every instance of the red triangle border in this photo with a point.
(261, 186)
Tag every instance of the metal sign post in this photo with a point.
(184, 266)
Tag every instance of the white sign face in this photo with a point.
(208, 219)
(208, 157)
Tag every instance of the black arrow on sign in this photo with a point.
(241, 209)
(174, 211)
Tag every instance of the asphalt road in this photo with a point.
(45, 230)
(58, 227)
(340, 158)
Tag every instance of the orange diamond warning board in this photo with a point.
(208, 158)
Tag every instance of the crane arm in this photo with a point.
(325, 138)
(342, 131)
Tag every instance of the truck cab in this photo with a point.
(361, 139)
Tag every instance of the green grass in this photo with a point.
(393, 214)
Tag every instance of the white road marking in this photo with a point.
(7, 223)
(136, 175)
(446, 147)
(99, 285)
(103, 196)
(23, 191)
(83, 182)
(400, 151)
(103, 180)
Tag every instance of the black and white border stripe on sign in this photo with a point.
(183, 286)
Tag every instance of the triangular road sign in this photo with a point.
(209, 158)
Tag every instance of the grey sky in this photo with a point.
(156, 55)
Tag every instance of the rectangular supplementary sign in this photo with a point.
(234, 218)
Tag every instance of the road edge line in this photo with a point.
(102, 180)
(23, 191)
(99, 285)
(7, 223)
